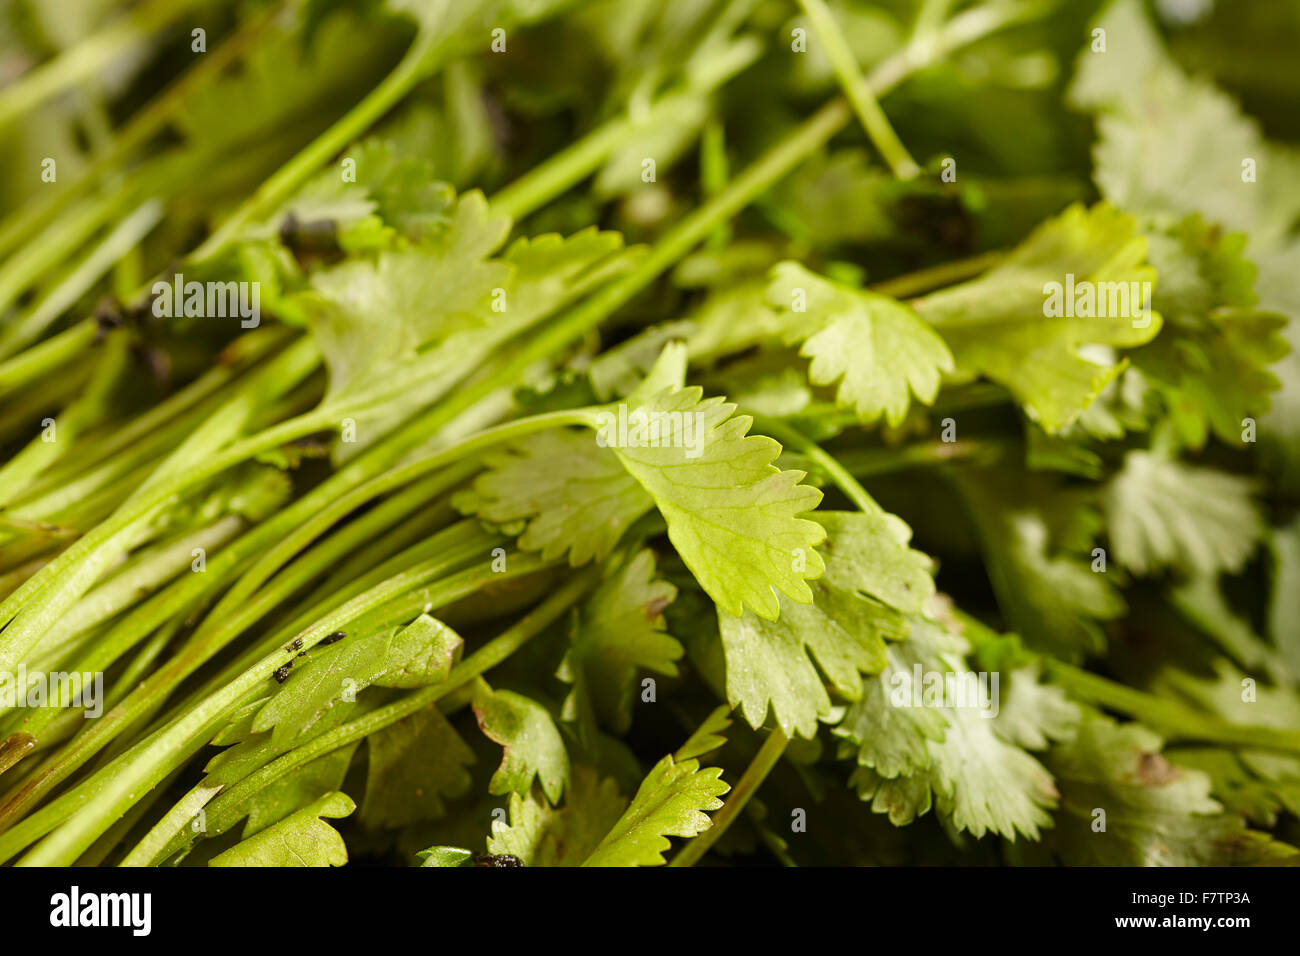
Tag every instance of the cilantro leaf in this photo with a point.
(1035, 713)
(532, 742)
(1164, 513)
(1211, 363)
(982, 783)
(575, 495)
(444, 856)
(542, 835)
(1043, 574)
(1155, 813)
(731, 514)
(301, 839)
(874, 346)
(1000, 325)
(411, 656)
(383, 312)
(298, 789)
(871, 577)
(918, 747)
(415, 765)
(671, 801)
(708, 737)
(1171, 145)
(893, 741)
(618, 634)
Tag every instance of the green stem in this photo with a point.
(1171, 718)
(937, 277)
(34, 215)
(122, 782)
(1174, 720)
(856, 88)
(210, 640)
(56, 242)
(843, 479)
(570, 166)
(78, 282)
(44, 359)
(757, 771)
(79, 65)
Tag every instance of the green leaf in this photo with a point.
(917, 745)
(618, 635)
(575, 495)
(1034, 713)
(1164, 513)
(415, 764)
(672, 801)
(1170, 145)
(283, 80)
(298, 789)
(302, 839)
(532, 742)
(391, 189)
(999, 325)
(874, 346)
(1051, 585)
(1211, 364)
(708, 737)
(732, 516)
(380, 313)
(871, 578)
(982, 783)
(542, 835)
(893, 741)
(420, 653)
(1155, 813)
(444, 856)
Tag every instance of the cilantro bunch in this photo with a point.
(656, 423)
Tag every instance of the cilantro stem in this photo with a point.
(80, 64)
(154, 759)
(842, 477)
(938, 276)
(855, 86)
(570, 166)
(1175, 720)
(58, 240)
(753, 777)
(87, 744)
(142, 125)
(41, 360)
(123, 237)
(197, 651)
(865, 463)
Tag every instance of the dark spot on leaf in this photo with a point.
(1155, 771)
